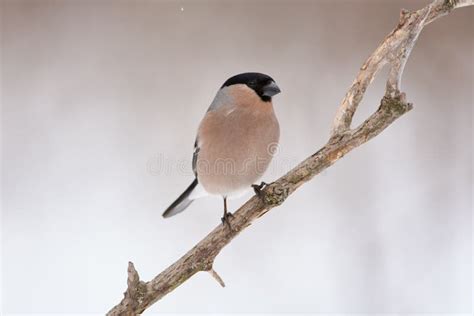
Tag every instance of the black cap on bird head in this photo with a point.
(262, 84)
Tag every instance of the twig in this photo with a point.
(394, 50)
(217, 277)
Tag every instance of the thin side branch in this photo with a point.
(394, 50)
(399, 61)
(217, 277)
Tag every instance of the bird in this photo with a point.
(235, 141)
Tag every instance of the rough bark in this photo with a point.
(393, 51)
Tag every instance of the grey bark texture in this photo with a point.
(393, 51)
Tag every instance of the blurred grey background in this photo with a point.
(100, 104)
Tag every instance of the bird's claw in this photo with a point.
(226, 217)
(257, 188)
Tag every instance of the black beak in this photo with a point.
(271, 89)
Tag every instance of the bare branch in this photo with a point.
(442, 7)
(394, 50)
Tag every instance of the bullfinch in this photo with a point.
(235, 141)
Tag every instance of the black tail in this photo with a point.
(182, 202)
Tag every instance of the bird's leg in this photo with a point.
(257, 188)
(227, 215)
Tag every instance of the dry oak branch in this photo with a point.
(393, 51)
